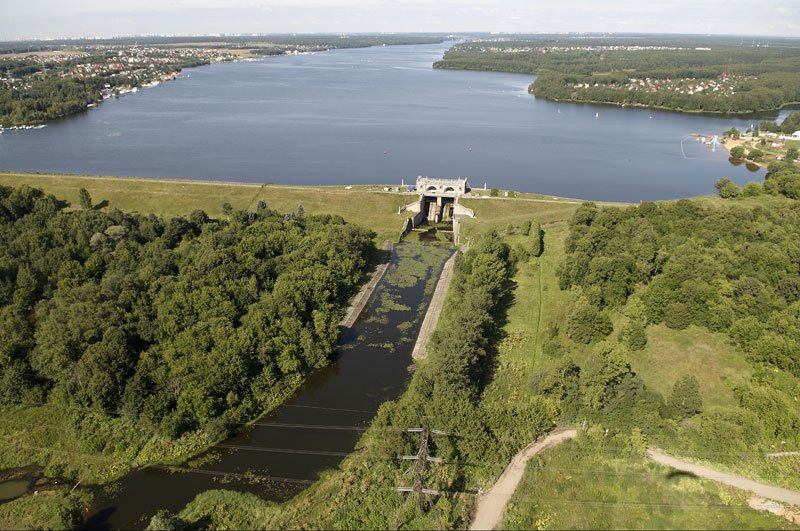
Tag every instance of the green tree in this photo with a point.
(752, 189)
(494, 192)
(634, 335)
(727, 189)
(85, 199)
(755, 155)
(537, 239)
(737, 152)
(791, 154)
(586, 323)
(685, 399)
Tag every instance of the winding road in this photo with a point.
(491, 505)
(780, 494)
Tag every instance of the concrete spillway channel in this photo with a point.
(362, 298)
(434, 309)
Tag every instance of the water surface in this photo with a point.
(288, 449)
(379, 115)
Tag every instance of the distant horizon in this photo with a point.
(56, 19)
(222, 35)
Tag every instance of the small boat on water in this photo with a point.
(597, 115)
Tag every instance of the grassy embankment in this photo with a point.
(58, 508)
(368, 206)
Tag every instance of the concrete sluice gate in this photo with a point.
(438, 204)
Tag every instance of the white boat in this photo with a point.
(597, 115)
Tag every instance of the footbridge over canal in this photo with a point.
(438, 204)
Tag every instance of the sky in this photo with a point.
(80, 18)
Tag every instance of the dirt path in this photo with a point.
(360, 300)
(434, 309)
(491, 505)
(767, 491)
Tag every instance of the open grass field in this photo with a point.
(578, 485)
(538, 305)
(368, 206)
(670, 354)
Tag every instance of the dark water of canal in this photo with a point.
(318, 426)
(379, 115)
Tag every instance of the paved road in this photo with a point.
(767, 491)
(491, 505)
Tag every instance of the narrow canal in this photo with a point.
(286, 450)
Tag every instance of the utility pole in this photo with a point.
(418, 469)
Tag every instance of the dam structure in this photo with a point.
(438, 205)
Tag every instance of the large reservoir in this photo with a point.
(380, 115)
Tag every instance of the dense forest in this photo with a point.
(171, 325)
(688, 76)
(731, 269)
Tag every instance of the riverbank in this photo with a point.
(774, 149)
(90, 71)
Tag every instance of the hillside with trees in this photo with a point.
(690, 75)
(731, 269)
(134, 326)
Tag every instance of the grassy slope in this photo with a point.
(668, 355)
(570, 487)
(536, 291)
(368, 206)
(49, 509)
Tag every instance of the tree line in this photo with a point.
(770, 77)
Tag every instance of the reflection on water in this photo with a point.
(287, 449)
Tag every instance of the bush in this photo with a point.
(685, 399)
(537, 246)
(634, 336)
(752, 189)
(587, 324)
(678, 315)
(727, 188)
(737, 152)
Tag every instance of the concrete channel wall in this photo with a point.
(434, 309)
(360, 301)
